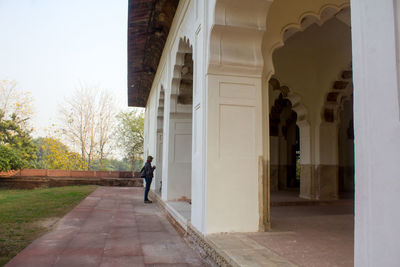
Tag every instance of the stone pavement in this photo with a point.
(111, 227)
(307, 236)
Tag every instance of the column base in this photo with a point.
(327, 182)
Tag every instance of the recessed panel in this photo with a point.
(196, 129)
(237, 131)
(183, 148)
(237, 90)
(183, 127)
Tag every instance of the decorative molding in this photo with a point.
(236, 35)
(182, 80)
(283, 22)
(294, 99)
(341, 90)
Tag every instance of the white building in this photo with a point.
(242, 88)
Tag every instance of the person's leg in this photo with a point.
(147, 188)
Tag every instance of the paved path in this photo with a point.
(111, 227)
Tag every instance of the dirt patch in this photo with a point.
(48, 224)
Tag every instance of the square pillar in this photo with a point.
(234, 145)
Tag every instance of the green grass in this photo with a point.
(21, 212)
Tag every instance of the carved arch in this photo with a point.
(160, 109)
(293, 98)
(342, 89)
(182, 76)
(283, 22)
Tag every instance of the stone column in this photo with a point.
(307, 183)
(159, 158)
(165, 158)
(326, 171)
(283, 158)
(274, 166)
(234, 117)
(377, 131)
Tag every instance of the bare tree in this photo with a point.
(87, 118)
(130, 135)
(105, 125)
(14, 102)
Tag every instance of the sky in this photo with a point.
(52, 47)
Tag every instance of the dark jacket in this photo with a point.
(148, 170)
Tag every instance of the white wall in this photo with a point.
(190, 22)
(180, 157)
(377, 132)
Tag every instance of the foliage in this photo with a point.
(15, 103)
(87, 119)
(110, 164)
(17, 140)
(22, 213)
(130, 136)
(10, 159)
(53, 154)
(16, 109)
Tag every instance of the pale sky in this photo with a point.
(50, 47)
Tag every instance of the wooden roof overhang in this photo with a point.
(149, 22)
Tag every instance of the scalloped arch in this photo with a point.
(184, 47)
(307, 19)
(341, 90)
(182, 77)
(161, 99)
(280, 30)
(293, 98)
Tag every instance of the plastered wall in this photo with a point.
(377, 131)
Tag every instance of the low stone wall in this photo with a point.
(36, 178)
(67, 173)
(44, 182)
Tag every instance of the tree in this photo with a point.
(16, 141)
(110, 164)
(16, 110)
(130, 135)
(53, 154)
(14, 102)
(87, 118)
(10, 159)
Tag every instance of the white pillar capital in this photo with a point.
(236, 35)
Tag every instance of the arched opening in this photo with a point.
(178, 188)
(285, 147)
(338, 112)
(306, 55)
(288, 136)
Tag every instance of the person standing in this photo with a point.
(147, 174)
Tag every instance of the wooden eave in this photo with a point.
(149, 22)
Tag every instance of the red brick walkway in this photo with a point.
(111, 227)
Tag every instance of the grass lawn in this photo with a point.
(26, 214)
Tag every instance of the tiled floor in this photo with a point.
(309, 236)
(111, 227)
